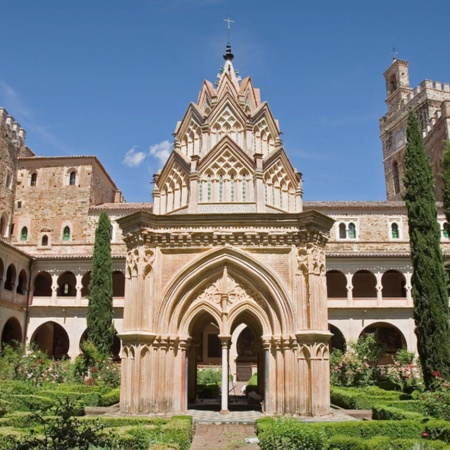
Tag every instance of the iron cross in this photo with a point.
(229, 25)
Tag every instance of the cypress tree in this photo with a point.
(430, 279)
(100, 310)
(446, 180)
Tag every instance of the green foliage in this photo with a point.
(209, 376)
(5, 407)
(62, 432)
(361, 398)
(446, 180)
(430, 279)
(381, 443)
(28, 402)
(436, 402)
(357, 366)
(110, 398)
(384, 412)
(405, 374)
(100, 310)
(290, 434)
(253, 381)
(96, 368)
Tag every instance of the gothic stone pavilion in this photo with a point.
(226, 244)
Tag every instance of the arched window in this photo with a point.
(395, 234)
(44, 240)
(72, 178)
(24, 234)
(396, 177)
(342, 231)
(446, 230)
(33, 179)
(209, 188)
(392, 83)
(220, 188)
(66, 234)
(351, 231)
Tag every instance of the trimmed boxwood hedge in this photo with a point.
(110, 398)
(381, 443)
(363, 398)
(383, 412)
(365, 435)
(25, 402)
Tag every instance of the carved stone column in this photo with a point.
(225, 341)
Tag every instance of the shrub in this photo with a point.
(382, 412)
(437, 401)
(357, 366)
(290, 434)
(24, 402)
(253, 381)
(362, 398)
(110, 398)
(209, 376)
(4, 407)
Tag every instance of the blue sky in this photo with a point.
(112, 77)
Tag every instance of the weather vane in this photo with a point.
(229, 26)
(394, 52)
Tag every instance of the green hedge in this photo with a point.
(363, 398)
(291, 434)
(84, 398)
(383, 412)
(110, 398)
(25, 402)
(382, 443)
(357, 435)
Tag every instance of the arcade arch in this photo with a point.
(364, 284)
(11, 333)
(42, 285)
(336, 284)
(390, 336)
(53, 339)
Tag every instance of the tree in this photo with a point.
(446, 180)
(100, 310)
(430, 279)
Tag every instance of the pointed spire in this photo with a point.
(228, 55)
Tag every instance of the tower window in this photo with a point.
(44, 240)
(24, 234)
(72, 178)
(33, 179)
(66, 234)
(351, 231)
(396, 177)
(392, 83)
(342, 231)
(395, 233)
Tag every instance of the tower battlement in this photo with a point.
(10, 128)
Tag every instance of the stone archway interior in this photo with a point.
(52, 339)
(12, 332)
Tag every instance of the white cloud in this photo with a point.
(133, 158)
(161, 151)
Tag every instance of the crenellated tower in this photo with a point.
(431, 103)
(228, 155)
(12, 145)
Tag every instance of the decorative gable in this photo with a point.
(172, 186)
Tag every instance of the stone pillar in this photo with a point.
(258, 183)
(54, 289)
(379, 288)
(225, 341)
(194, 179)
